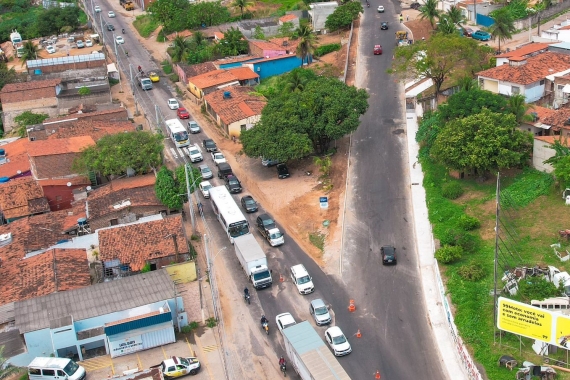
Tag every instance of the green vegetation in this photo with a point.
(6, 369)
(58, 20)
(27, 118)
(84, 91)
(190, 327)
(561, 163)
(166, 189)
(288, 5)
(343, 16)
(145, 25)
(178, 15)
(318, 240)
(449, 253)
(211, 322)
(180, 174)
(198, 48)
(325, 49)
(528, 187)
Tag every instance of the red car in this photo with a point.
(182, 113)
(377, 49)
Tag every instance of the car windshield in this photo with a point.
(268, 221)
(339, 339)
(250, 202)
(184, 361)
(239, 229)
(261, 275)
(210, 144)
(304, 280)
(195, 151)
(71, 368)
(207, 187)
(181, 136)
(234, 182)
(321, 310)
(206, 171)
(275, 235)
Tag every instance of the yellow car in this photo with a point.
(153, 76)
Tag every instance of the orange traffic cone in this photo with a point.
(377, 376)
(351, 306)
(358, 334)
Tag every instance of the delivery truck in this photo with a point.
(253, 261)
(309, 355)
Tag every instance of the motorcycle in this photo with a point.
(368, 5)
(246, 298)
(284, 369)
(265, 326)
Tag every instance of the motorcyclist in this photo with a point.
(246, 292)
(140, 69)
(282, 361)
(263, 320)
(123, 31)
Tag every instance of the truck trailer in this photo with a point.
(253, 261)
(309, 355)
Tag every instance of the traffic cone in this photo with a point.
(351, 306)
(377, 376)
(358, 334)
(281, 279)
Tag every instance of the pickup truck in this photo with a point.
(177, 367)
(269, 230)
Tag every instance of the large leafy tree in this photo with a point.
(172, 14)
(298, 123)
(343, 16)
(307, 42)
(473, 101)
(54, 20)
(233, 43)
(441, 57)
(429, 11)
(504, 25)
(207, 13)
(114, 154)
(181, 47)
(241, 5)
(194, 178)
(561, 161)
(166, 189)
(482, 142)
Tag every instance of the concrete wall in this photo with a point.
(65, 103)
(489, 85)
(234, 129)
(8, 116)
(551, 11)
(65, 193)
(541, 151)
(105, 221)
(70, 70)
(269, 26)
(38, 343)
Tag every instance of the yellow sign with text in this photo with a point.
(562, 334)
(525, 320)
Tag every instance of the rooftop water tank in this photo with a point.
(4, 179)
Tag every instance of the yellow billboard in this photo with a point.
(525, 320)
(562, 332)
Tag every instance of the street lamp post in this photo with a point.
(190, 202)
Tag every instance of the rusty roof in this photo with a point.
(62, 146)
(528, 49)
(22, 197)
(239, 106)
(33, 85)
(243, 73)
(17, 159)
(212, 78)
(83, 115)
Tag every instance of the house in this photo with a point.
(318, 14)
(14, 160)
(542, 151)
(20, 198)
(291, 18)
(526, 51)
(37, 96)
(266, 49)
(185, 71)
(51, 159)
(526, 76)
(110, 115)
(234, 109)
(136, 246)
(202, 85)
(67, 128)
(470, 8)
(269, 26)
(540, 119)
(123, 200)
(559, 32)
(268, 67)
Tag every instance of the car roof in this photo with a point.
(203, 167)
(334, 331)
(377, 46)
(286, 318)
(388, 249)
(205, 183)
(264, 217)
(172, 99)
(318, 303)
(247, 197)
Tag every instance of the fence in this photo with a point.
(348, 52)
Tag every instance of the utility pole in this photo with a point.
(497, 226)
(190, 202)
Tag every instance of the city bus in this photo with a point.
(177, 133)
(228, 213)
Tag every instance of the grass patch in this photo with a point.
(82, 18)
(325, 49)
(167, 68)
(317, 239)
(287, 5)
(145, 25)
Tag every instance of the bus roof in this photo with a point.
(226, 205)
(175, 125)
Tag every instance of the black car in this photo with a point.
(415, 6)
(233, 184)
(209, 145)
(282, 171)
(265, 221)
(388, 255)
(110, 27)
(384, 26)
(248, 203)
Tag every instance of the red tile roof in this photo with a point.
(218, 35)
(62, 146)
(527, 49)
(33, 85)
(119, 111)
(213, 78)
(184, 34)
(535, 69)
(197, 69)
(22, 197)
(135, 244)
(240, 106)
(16, 158)
(266, 45)
(288, 18)
(243, 73)
(286, 43)
(567, 27)
(550, 139)
(557, 119)
(94, 129)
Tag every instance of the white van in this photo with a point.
(302, 280)
(55, 369)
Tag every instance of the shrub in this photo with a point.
(471, 272)
(167, 69)
(469, 223)
(174, 77)
(537, 288)
(451, 190)
(325, 49)
(211, 322)
(468, 242)
(448, 254)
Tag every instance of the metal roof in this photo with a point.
(249, 247)
(34, 63)
(92, 301)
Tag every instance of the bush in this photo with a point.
(537, 288)
(167, 69)
(174, 77)
(451, 190)
(448, 254)
(325, 49)
(145, 25)
(471, 272)
(469, 223)
(468, 242)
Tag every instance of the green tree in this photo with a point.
(84, 91)
(455, 15)
(233, 43)
(343, 16)
(516, 104)
(482, 142)
(166, 189)
(467, 83)
(467, 103)
(28, 118)
(9, 75)
(561, 161)
(181, 46)
(307, 41)
(441, 57)
(194, 175)
(207, 13)
(429, 11)
(30, 51)
(286, 29)
(6, 369)
(504, 25)
(295, 124)
(242, 4)
(258, 33)
(114, 154)
(295, 81)
(171, 14)
(446, 25)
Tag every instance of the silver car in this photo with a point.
(205, 188)
(206, 172)
(320, 312)
(193, 127)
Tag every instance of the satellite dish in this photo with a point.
(19, 172)
(88, 188)
(69, 184)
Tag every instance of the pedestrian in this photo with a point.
(407, 17)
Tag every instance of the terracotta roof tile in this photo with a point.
(266, 45)
(53, 166)
(290, 45)
(184, 34)
(240, 106)
(19, 87)
(535, 69)
(135, 244)
(63, 146)
(551, 139)
(527, 49)
(16, 159)
(22, 197)
(218, 35)
(197, 69)
(557, 119)
(567, 27)
(213, 78)
(120, 112)
(288, 18)
(94, 129)
(243, 73)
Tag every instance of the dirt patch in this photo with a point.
(419, 28)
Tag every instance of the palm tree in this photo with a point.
(504, 26)
(198, 38)
(307, 41)
(455, 15)
(467, 83)
(446, 25)
(295, 82)
(180, 48)
(429, 11)
(517, 106)
(241, 4)
(6, 369)
(30, 51)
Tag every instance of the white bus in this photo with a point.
(228, 213)
(177, 133)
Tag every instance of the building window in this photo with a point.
(542, 82)
(560, 87)
(515, 90)
(114, 222)
(242, 127)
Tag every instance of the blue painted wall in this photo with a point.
(484, 20)
(275, 67)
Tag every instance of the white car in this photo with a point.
(194, 153)
(111, 14)
(380, 9)
(173, 104)
(284, 320)
(88, 43)
(205, 188)
(218, 158)
(97, 9)
(119, 40)
(338, 342)
(50, 49)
